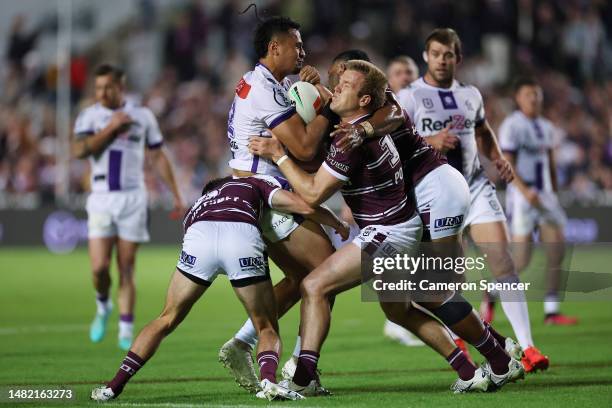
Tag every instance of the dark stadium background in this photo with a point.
(183, 59)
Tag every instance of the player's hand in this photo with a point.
(443, 141)
(344, 230)
(119, 121)
(351, 136)
(310, 74)
(533, 198)
(506, 172)
(268, 147)
(178, 209)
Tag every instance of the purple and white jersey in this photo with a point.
(432, 109)
(236, 200)
(374, 181)
(529, 140)
(260, 103)
(120, 166)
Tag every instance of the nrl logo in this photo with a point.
(428, 103)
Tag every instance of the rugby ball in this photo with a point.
(306, 99)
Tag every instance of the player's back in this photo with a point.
(530, 140)
(120, 167)
(234, 200)
(459, 108)
(374, 188)
(260, 103)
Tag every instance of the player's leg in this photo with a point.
(100, 253)
(183, 292)
(126, 260)
(554, 242)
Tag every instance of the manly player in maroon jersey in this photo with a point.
(372, 183)
(229, 210)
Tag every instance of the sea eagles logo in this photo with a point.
(428, 103)
(333, 150)
(210, 194)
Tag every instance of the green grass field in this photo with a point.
(47, 303)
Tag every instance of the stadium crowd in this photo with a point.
(184, 62)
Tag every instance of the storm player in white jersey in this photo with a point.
(450, 115)
(113, 134)
(527, 141)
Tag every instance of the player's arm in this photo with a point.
(164, 168)
(488, 146)
(552, 165)
(384, 121)
(529, 193)
(287, 201)
(301, 140)
(95, 144)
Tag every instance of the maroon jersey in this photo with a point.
(374, 188)
(418, 157)
(235, 200)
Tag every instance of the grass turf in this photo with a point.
(47, 303)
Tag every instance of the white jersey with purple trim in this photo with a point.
(529, 140)
(260, 103)
(459, 107)
(120, 166)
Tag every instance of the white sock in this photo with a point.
(247, 334)
(126, 329)
(551, 304)
(298, 347)
(514, 304)
(103, 307)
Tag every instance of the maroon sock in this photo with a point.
(129, 366)
(500, 339)
(493, 352)
(460, 363)
(268, 363)
(306, 369)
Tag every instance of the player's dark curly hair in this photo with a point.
(352, 55)
(268, 29)
(213, 184)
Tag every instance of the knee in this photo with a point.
(311, 288)
(101, 269)
(392, 311)
(168, 321)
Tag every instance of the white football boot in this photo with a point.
(288, 370)
(313, 389)
(236, 357)
(479, 383)
(513, 349)
(102, 394)
(515, 373)
(271, 391)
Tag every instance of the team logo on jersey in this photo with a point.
(428, 103)
(281, 99)
(243, 89)
(468, 105)
(448, 99)
(494, 205)
(252, 262)
(448, 222)
(187, 259)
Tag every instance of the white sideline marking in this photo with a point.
(58, 328)
(179, 405)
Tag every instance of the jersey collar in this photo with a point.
(360, 118)
(423, 83)
(266, 72)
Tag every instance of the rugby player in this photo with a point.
(450, 115)
(113, 134)
(401, 71)
(261, 103)
(371, 180)
(228, 210)
(526, 139)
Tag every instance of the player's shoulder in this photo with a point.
(92, 110)
(468, 88)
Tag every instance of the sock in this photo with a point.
(515, 308)
(103, 303)
(460, 363)
(247, 334)
(298, 347)
(551, 304)
(126, 325)
(268, 363)
(306, 370)
(493, 352)
(453, 335)
(130, 365)
(500, 339)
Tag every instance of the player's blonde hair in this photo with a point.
(374, 84)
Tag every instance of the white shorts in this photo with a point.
(524, 218)
(277, 225)
(389, 240)
(118, 213)
(443, 201)
(484, 205)
(336, 239)
(235, 249)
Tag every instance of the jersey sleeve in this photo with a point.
(509, 137)
(154, 137)
(272, 105)
(84, 125)
(266, 189)
(407, 102)
(340, 164)
(479, 118)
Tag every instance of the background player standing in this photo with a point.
(113, 134)
(527, 141)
